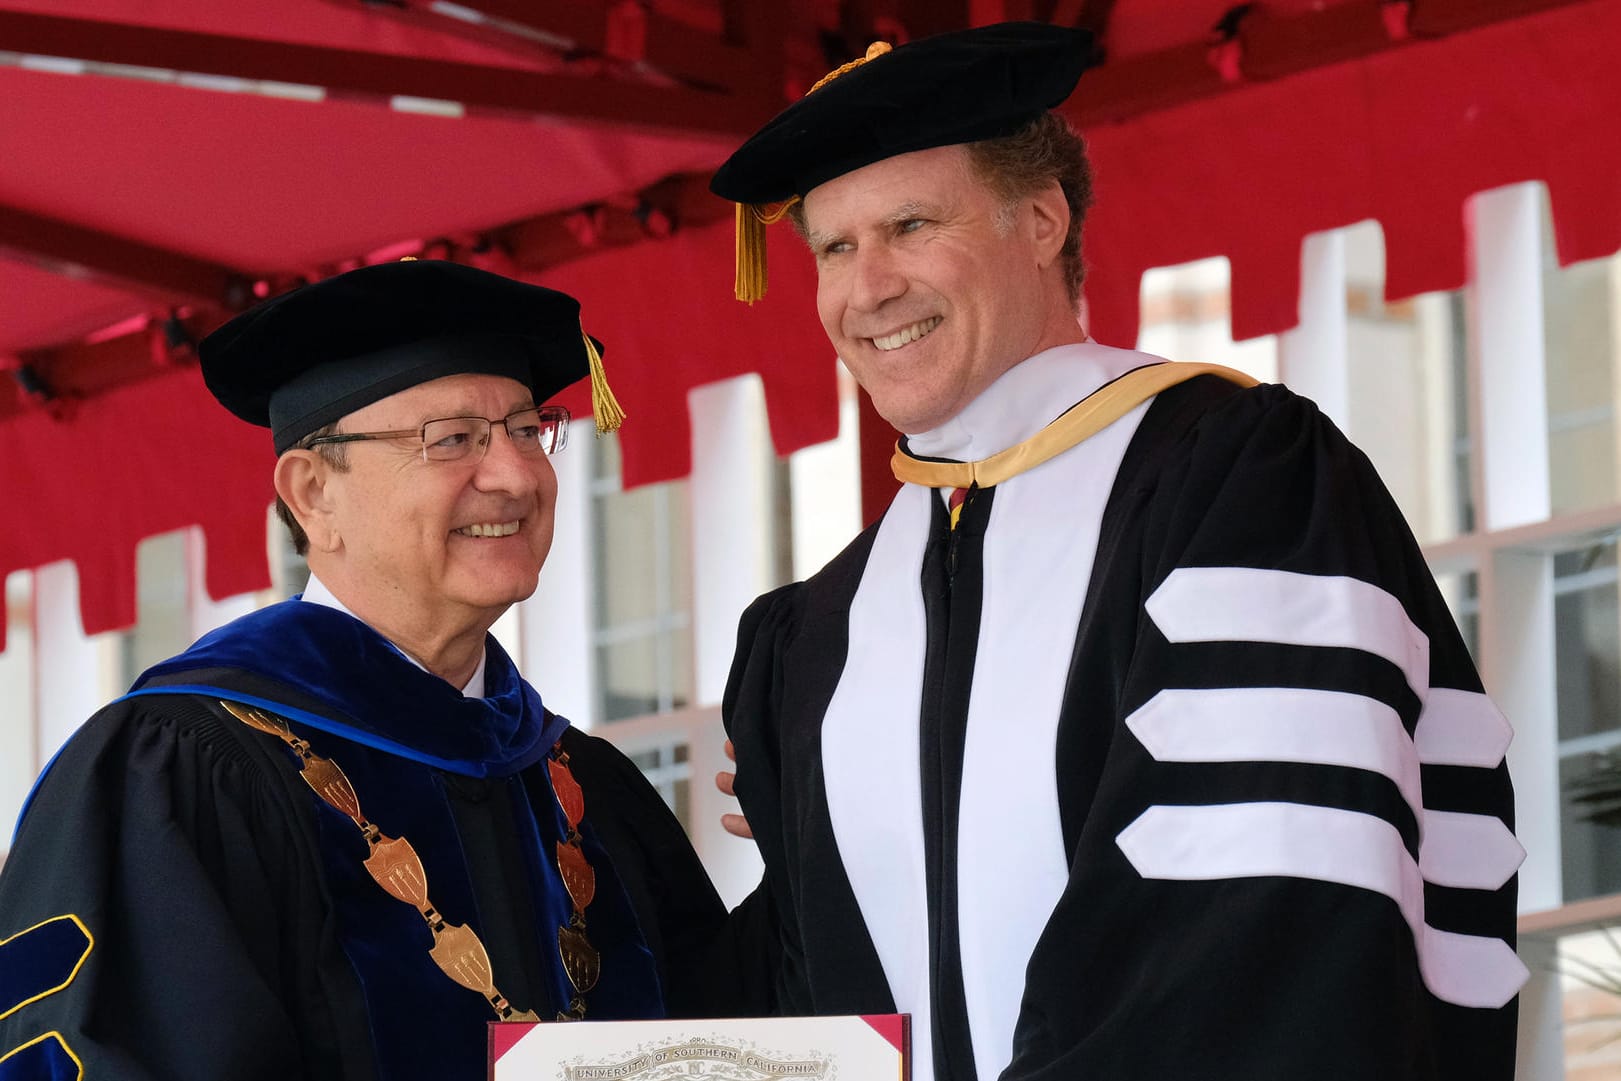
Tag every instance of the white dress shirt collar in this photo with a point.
(1023, 400)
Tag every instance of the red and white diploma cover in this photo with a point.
(868, 1048)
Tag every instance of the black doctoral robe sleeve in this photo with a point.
(179, 851)
(1267, 681)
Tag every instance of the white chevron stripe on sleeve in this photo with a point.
(1280, 724)
(1461, 728)
(1251, 604)
(1468, 851)
(1328, 844)
(1470, 970)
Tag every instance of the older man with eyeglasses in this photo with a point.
(339, 836)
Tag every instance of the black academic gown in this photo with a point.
(1226, 802)
(229, 930)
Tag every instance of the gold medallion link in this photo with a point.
(578, 877)
(581, 961)
(569, 796)
(323, 775)
(397, 868)
(457, 950)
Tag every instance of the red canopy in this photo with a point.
(138, 206)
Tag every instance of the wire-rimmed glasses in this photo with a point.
(534, 430)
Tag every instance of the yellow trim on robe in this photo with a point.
(1091, 415)
(53, 1035)
(90, 944)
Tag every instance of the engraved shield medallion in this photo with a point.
(580, 959)
(569, 796)
(578, 877)
(459, 952)
(397, 868)
(331, 785)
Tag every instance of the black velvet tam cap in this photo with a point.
(950, 88)
(304, 359)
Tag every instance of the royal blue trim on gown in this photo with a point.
(380, 697)
(395, 729)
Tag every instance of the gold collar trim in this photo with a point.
(1091, 415)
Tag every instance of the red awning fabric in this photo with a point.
(667, 314)
(1404, 137)
(142, 459)
(264, 184)
(270, 186)
(160, 454)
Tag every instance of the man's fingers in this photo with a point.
(725, 780)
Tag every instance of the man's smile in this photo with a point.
(907, 335)
(489, 529)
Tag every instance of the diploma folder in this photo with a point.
(874, 1047)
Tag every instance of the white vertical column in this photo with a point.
(67, 664)
(1512, 437)
(554, 626)
(1509, 408)
(1509, 418)
(1540, 1050)
(825, 490)
(730, 491)
(203, 613)
(1613, 303)
(1314, 357)
(19, 731)
(1517, 659)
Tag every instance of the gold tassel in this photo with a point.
(750, 283)
(604, 406)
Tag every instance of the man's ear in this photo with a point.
(1049, 222)
(302, 478)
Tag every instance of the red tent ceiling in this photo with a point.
(577, 158)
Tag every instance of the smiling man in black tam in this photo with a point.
(1134, 742)
(338, 836)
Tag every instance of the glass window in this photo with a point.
(1409, 390)
(1587, 628)
(643, 632)
(1579, 328)
(162, 618)
(1187, 315)
(1462, 592)
(666, 767)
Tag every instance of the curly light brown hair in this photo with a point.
(1021, 164)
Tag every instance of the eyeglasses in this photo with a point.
(534, 430)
